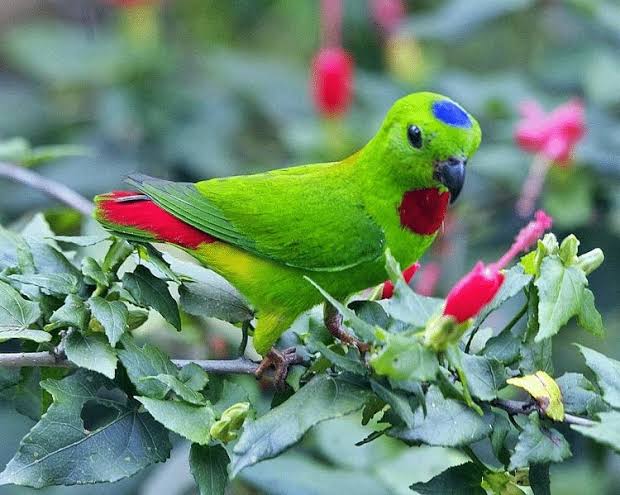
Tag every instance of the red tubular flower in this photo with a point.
(332, 81)
(387, 14)
(427, 280)
(388, 285)
(476, 289)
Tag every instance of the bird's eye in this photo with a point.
(415, 136)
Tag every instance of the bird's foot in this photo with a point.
(333, 323)
(280, 361)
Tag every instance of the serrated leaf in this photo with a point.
(578, 394)
(403, 357)
(505, 347)
(7, 333)
(118, 252)
(589, 318)
(91, 352)
(52, 283)
(59, 450)
(606, 431)
(465, 479)
(484, 376)
(538, 445)
(48, 259)
(179, 388)
(151, 291)
(208, 466)
(193, 376)
(93, 271)
(190, 421)
(216, 299)
(346, 363)
(144, 361)
(136, 318)
(73, 313)
(15, 311)
(113, 316)
(397, 401)
(607, 373)
(447, 423)
(544, 390)
(324, 397)
(560, 292)
(150, 256)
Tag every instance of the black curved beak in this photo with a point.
(451, 173)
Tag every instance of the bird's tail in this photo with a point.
(136, 217)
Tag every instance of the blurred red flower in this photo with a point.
(388, 285)
(553, 135)
(388, 14)
(332, 81)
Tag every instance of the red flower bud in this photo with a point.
(474, 291)
(388, 285)
(332, 81)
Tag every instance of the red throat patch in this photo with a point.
(145, 215)
(423, 211)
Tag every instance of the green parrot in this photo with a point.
(329, 222)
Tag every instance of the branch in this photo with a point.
(522, 407)
(49, 360)
(48, 186)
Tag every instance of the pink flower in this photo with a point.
(427, 280)
(387, 14)
(388, 285)
(553, 135)
(332, 81)
(476, 289)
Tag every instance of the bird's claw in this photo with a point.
(280, 361)
(333, 323)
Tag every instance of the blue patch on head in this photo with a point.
(450, 114)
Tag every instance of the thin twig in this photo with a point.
(521, 407)
(48, 360)
(50, 187)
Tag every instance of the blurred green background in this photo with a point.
(191, 89)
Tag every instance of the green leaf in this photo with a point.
(179, 388)
(578, 394)
(346, 363)
(606, 432)
(538, 445)
(484, 376)
(448, 423)
(540, 482)
(144, 361)
(113, 316)
(504, 347)
(93, 272)
(535, 356)
(515, 280)
(607, 371)
(52, 283)
(190, 421)
(193, 376)
(91, 352)
(154, 259)
(561, 292)
(216, 299)
(397, 401)
(465, 479)
(15, 311)
(324, 397)
(589, 318)
(7, 333)
(73, 313)
(208, 466)
(502, 427)
(150, 291)
(61, 450)
(136, 318)
(403, 357)
(119, 251)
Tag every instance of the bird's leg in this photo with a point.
(280, 360)
(333, 322)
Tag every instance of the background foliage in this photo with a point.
(222, 89)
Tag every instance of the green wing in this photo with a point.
(303, 217)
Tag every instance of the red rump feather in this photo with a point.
(423, 210)
(145, 215)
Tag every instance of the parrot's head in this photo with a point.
(427, 139)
